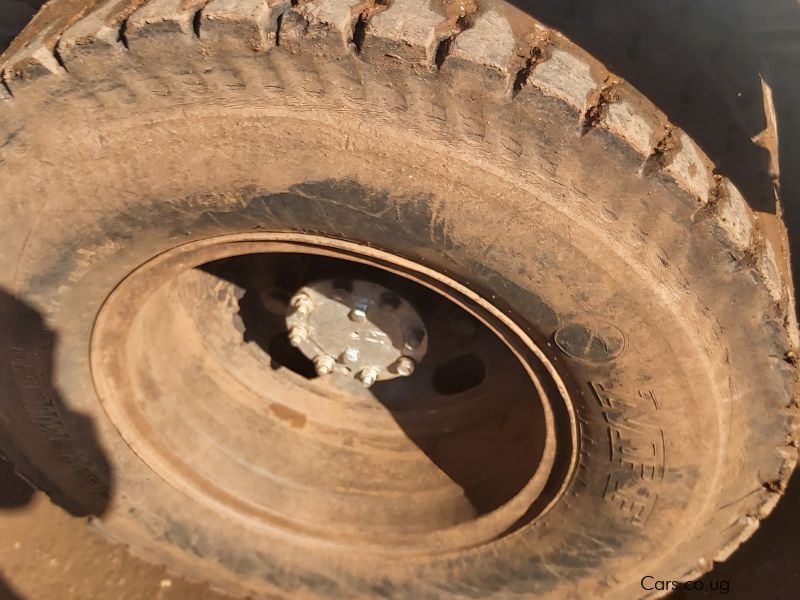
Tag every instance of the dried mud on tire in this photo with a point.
(484, 145)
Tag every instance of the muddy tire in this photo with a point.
(482, 151)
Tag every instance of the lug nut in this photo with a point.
(414, 338)
(297, 333)
(350, 355)
(323, 364)
(353, 329)
(357, 315)
(368, 376)
(405, 366)
(302, 305)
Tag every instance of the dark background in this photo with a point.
(701, 61)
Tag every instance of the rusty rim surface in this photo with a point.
(198, 383)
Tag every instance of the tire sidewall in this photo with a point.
(644, 465)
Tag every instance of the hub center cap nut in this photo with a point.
(356, 328)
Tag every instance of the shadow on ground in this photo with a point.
(46, 550)
(38, 432)
(14, 494)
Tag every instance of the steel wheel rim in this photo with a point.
(109, 375)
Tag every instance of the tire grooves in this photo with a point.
(121, 35)
(663, 152)
(362, 13)
(460, 17)
(716, 195)
(278, 26)
(597, 106)
(59, 60)
(196, 20)
(537, 55)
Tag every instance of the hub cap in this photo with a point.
(357, 329)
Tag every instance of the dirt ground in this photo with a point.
(47, 554)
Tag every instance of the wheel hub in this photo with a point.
(435, 463)
(357, 329)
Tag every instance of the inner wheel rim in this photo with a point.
(119, 359)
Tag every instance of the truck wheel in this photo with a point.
(321, 300)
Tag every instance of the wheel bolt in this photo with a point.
(350, 355)
(405, 366)
(297, 333)
(357, 315)
(302, 305)
(323, 364)
(368, 376)
(354, 329)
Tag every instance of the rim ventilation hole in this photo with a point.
(459, 374)
(343, 284)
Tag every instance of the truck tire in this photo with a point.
(628, 411)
